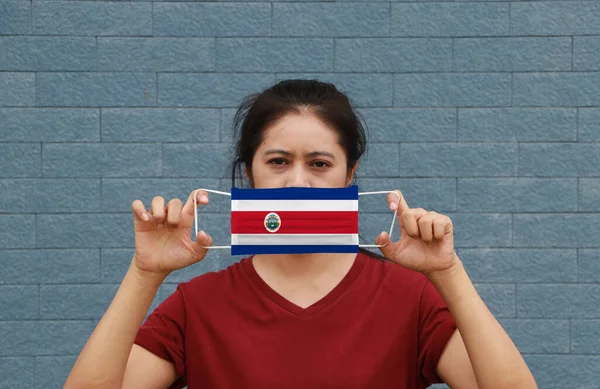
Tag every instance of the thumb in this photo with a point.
(388, 247)
(200, 247)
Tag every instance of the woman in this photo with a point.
(299, 321)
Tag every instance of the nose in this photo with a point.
(298, 177)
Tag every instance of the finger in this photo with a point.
(174, 212)
(408, 221)
(426, 226)
(388, 247)
(440, 226)
(187, 213)
(158, 209)
(200, 247)
(139, 210)
(397, 202)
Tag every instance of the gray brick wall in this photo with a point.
(488, 112)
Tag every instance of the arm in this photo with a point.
(109, 358)
(480, 349)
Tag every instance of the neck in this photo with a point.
(300, 266)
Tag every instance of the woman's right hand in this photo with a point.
(162, 236)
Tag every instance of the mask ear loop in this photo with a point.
(393, 218)
(196, 215)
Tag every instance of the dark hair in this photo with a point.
(322, 99)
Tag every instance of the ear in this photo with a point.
(350, 174)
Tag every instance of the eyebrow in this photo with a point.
(311, 154)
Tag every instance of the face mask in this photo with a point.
(293, 220)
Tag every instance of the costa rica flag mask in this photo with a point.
(293, 220)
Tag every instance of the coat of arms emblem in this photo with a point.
(272, 222)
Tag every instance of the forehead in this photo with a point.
(303, 130)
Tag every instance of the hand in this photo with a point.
(162, 236)
(426, 239)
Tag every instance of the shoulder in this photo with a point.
(398, 279)
(215, 283)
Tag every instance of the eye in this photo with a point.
(321, 164)
(277, 161)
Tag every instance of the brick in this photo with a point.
(589, 194)
(218, 90)
(75, 301)
(588, 265)
(331, 19)
(561, 371)
(160, 125)
(101, 160)
(499, 298)
(589, 125)
(381, 160)
(520, 265)
(114, 264)
(517, 124)
(96, 89)
(585, 337)
(274, 54)
(410, 124)
(19, 302)
(49, 266)
(457, 160)
(556, 89)
(393, 55)
(118, 194)
(538, 336)
(437, 194)
(226, 127)
(17, 372)
(450, 19)
(51, 371)
(20, 160)
(92, 18)
(17, 231)
(481, 230)
(84, 230)
(215, 260)
(452, 89)
(48, 195)
(38, 53)
(18, 89)
(559, 159)
(512, 54)
(15, 16)
(156, 54)
(363, 90)
(560, 301)
(555, 18)
(211, 19)
(585, 53)
(196, 160)
(37, 338)
(517, 194)
(49, 125)
(557, 230)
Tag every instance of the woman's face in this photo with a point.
(300, 150)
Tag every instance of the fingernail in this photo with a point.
(394, 206)
(203, 198)
(145, 217)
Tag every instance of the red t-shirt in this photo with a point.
(382, 326)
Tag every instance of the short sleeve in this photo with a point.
(436, 325)
(163, 334)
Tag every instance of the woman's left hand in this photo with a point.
(426, 239)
